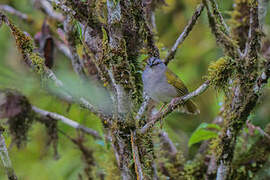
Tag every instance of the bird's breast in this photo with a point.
(157, 86)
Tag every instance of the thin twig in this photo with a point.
(48, 9)
(253, 36)
(66, 121)
(212, 166)
(5, 158)
(164, 138)
(136, 157)
(15, 12)
(173, 104)
(68, 97)
(219, 17)
(143, 107)
(262, 80)
(62, 6)
(220, 30)
(122, 100)
(260, 130)
(185, 33)
(263, 133)
(64, 49)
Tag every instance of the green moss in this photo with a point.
(214, 147)
(85, 12)
(112, 171)
(23, 41)
(175, 166)
(220, 71)
(251, 161)
(193, 170)
(240, 22)
(38, 63)
(146, 145)
(125, 72)
(26, 46)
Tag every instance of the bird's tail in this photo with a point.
(191, 108)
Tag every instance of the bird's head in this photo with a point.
(153, 61)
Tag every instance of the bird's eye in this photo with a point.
(152, 61)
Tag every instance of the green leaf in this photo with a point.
(202, 133)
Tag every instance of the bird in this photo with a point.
(162, 85)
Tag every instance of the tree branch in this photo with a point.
(184, 34)
(173, 104)
(136, 157)
(5, 158)
(67, 121)
(167, 142)
(143, 107)
(219, 17)
(62, 6)
(17, 13)
(64, 49)
(262, 79)
(48, 9)
(243, 98)
(219, 29)
(25, 45)
(253, 37)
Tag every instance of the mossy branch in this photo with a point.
(36, 62)
(5, 158)
(219, 29)
(67, 121)
(136, 157)
(241, 100)
(14, 100)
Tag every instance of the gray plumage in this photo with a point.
(156, 85)
(162, 85)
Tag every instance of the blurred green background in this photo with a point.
(35, 161)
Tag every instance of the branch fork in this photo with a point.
(173, 105)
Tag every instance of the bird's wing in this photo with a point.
(175, 81)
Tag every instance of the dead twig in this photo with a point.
(67, 121)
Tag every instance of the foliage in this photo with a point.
(203, 132)
(123, 45)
